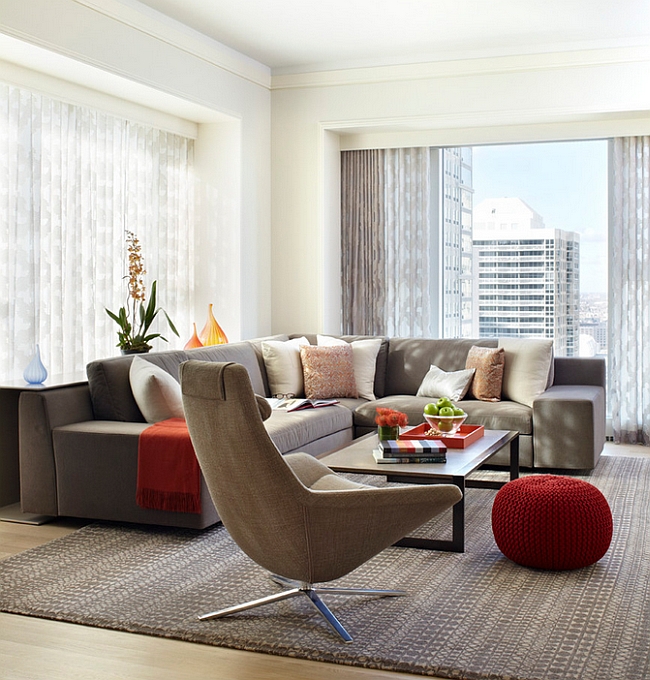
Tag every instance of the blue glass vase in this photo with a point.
(35, 373)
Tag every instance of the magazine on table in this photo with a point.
(298, 404)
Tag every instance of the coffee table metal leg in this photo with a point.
(457, 543)
(514, 458)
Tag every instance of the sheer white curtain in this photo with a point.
(630, 291)
(408, 235)
(72, 182)
(385, 242)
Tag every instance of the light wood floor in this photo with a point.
(37, 649)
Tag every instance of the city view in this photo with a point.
(525, 243)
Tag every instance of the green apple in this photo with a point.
(446, 411)
(458, 411)
(431, 410)
(443, 402)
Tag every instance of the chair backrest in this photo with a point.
(258, 497)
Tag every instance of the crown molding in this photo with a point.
(464, 67)
(155, 25)
(167, 30)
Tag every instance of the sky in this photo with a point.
(565, 182)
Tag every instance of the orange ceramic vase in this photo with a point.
(212, 334)
(194, 340)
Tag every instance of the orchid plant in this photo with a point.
(134, 319)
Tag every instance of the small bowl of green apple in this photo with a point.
(444, 417)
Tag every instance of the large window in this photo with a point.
(73, 181)
(488, 241)
(525, 243)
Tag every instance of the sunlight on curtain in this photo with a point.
(408, 234)
(630, 291)
(385, 242)
(72, 182)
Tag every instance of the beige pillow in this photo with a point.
(527, 370)
(488, 378)
(156, 392)
(328, 372)
(364, 356)
(439, 383)
(283, 366)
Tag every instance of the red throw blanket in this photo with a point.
(169, 477)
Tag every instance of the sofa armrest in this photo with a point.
(569, 426)
(38, 414)
(580, 371)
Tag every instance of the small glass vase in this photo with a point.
(35, 373)
(386, 432)
(212, 333)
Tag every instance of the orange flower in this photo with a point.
(388, 417)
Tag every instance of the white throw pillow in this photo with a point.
(439, 383)
(283, 365)
(527, 370)
(156, 392)
(364, 357)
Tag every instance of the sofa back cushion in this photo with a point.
(110, 388)
(409, 359)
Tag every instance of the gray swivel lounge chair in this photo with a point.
(291, 514)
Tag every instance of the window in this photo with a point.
(73, 180)
(547, 203)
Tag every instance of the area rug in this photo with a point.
(470, 615)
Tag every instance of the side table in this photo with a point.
(10, 392)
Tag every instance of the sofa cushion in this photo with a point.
(240, 352)
(110, 388)
(438, 383)
(283, 366)
(328, 372)
(156, 393)
(293, 430)
(364, 355)
(527, 370)
(503, 415)
(379, 388)
(409, 360)
(488, 379)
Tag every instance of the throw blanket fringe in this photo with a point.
(169, 477)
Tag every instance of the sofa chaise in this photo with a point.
(79, 444)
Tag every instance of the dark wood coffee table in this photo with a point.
(357, 458)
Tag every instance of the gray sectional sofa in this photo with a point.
(79, 444)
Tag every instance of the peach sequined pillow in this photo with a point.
(328, 372)
(488, 378)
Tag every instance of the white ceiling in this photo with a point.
(292, 36)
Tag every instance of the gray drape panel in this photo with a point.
(386, 242)
(362, 242)
(630, 291)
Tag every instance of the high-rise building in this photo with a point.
(453, 181)
(526, 277)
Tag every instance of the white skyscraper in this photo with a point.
(526, 277)
(454, 182)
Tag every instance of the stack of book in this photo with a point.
(411, 451)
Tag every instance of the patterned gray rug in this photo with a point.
(471, 615)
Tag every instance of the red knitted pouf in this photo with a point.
(551, 522)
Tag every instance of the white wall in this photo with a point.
(544, 97)
(129, 50)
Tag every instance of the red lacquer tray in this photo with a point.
(466, 435)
